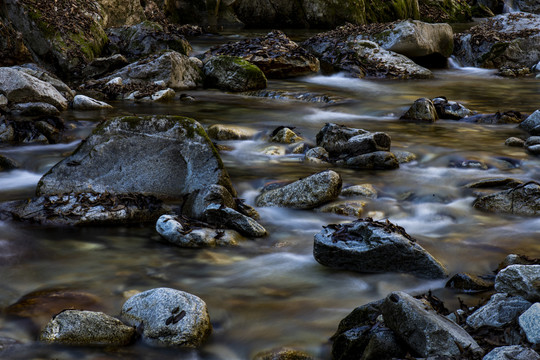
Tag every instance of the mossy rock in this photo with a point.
(233, 73)
(386, 11)
(451, 11)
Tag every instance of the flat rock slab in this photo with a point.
(425, 331)
(168, 317)
(88, 328)
(162, 156)
(370, 246)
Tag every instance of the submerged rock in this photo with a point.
(371, 246)
(87, 328)
(522, 200)
(168, 317)
(469, 282)
(230, 132)
(231, 73)
(283, 354)
(384, 160)
(364, 190)
(499, 311)
(284, 135)
(425, 331)
(275, 54)
(519, 280)
(507, 117)
(306, 193)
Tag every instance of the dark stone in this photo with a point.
(469, 282)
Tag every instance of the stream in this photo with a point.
(270, 292)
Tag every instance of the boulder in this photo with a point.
(499, 311)
(521, 200)
(383, 160)
(34, 109)
(519, 280)
(82, 102)
(121, 12)
(341, 141)
(372, 247)
(144, 39)
(275, 54)
(450, 109)
(13, 51)
(531, 122)
(494, 183)
(87, 328)
(185, 234)
(116, 159)
(469, 283)
(306, 193)
(231, 73)
(42, 74)
(511, 40)
(423, 110)
(343, 49)
(529, 322)
(423, 330)
(168, 317)
(104, 65)
(170, 69)
(230, 132)
(514, 352)
(67, 43)
(19, 87)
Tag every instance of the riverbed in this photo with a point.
(270, 292)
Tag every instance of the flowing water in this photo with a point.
(271, 292)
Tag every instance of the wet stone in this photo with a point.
(469, 282)
(514, 142)
(230, 132)
(365, 190)
(529, 322)
(513, 352)
(499, 311)
(283, 354)
(423, 110)
(519, 280)
(285, 135)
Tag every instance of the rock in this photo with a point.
(514, 259)
(13, 51)
(532, 145)
(230, 132)
(34, 109)
(364, 190)
(299, 96)
(163, 95)
(384, 160)
(175, 70)
(529, 322)
(144, 39)
(450, 109)
(404, 157)
(20, 87)
(168, 317)
(345, 207)
(122, 12)
(514, 352)
(489, 183)
(43, 130)
(343, 49)
(274, 151)
(511, 40)
(521, 200)
(283, 354)
(424, 331)
(317, 155)
(86, 208)
(225, 216)
(197, 203)
(519, 280)
(507, 117)
(115, 159)
(275, 54)
(82, 102)
(7, 163)
(284, 135)
(469, 282)
(531, 122)
(384, 12)
(423, 110)
(87, 328)
(514, 142)
(67, 43)
(104, 65)
(42, 74)
(371, 247)
(184, 235)
(342, 141)
(501, 310)
(231, 73)
(452, 11)
(306, 193)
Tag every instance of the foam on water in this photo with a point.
(18, 179)
(42, 148)
(318, 115)
(341, 80)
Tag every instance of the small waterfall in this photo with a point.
(509, 6)
(453, 63)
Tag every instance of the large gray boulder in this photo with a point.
(426, 332)
(306, 193)
(519, 280)
(168, 317)
(513, 352)
(164, 156)
(20, 87)
(523, 199)
(372, 247)
(511, 40)
(233, 74)
(87, 328)
(275, 54)
(499, 311)
(170, 68)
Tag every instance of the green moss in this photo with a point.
(390, 10)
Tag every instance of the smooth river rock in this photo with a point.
(82, 102)
(232, 73)
(87, 328)
(373, 247)
(168, 317)
(425, 331)
(306, 193)
(522, 200)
